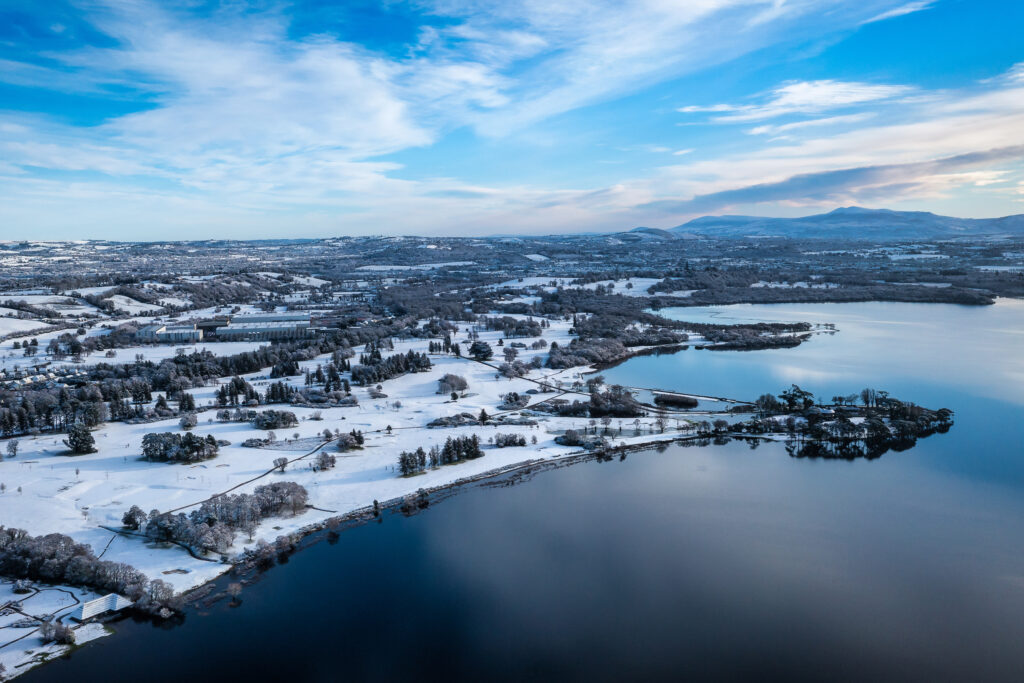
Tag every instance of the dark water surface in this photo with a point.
(717, 563)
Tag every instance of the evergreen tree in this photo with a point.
(80, 440)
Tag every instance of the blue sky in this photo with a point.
(137, 119)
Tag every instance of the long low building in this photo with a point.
(253, 327)
(270, 318)
(111, 602)
(169, 333)
(266, 331)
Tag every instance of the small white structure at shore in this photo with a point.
(108, 603)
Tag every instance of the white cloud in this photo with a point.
(908, 8)
(769, 129)
(238, 108)
(587, 51)
(806, 97)
(938, 125)
(250, 128)
(692, 109)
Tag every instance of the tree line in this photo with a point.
(212, 526)
(455, 449)
(177, 447)
(59, 559)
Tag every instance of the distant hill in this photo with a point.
(852, 223)
(647, 233)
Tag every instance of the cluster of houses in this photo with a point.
(38, 376)
(251, 327)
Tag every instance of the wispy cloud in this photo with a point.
(241, 124)
(805, 97)
(587, 51)
(908, 8)
(778, 129)
(843, 184)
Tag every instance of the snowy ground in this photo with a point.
(634, 286)
(47, 491)
(21, 648)
(175, 301)
(10, 358)
(13, 325)
(65, 306)
(74, 495)
(86, 291)
(133, 307)
(424, 266)
(549, 283)
(794, 285)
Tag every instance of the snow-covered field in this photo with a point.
(794, 285)
(309, 281)
(424, 266)
(175, 301)
(915, 257)
(13, 325)
(74, 495)
(133, 307)
(35, 299)
(634, 286)
(10, 357)
(43, 602)
(47, 491)
(534, 281)
(63, 305)
(86, 291)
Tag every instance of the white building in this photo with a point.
(93, 608)
(148, 332)
(180, 333)
(265, 331)
(270, 318)
(169, 333)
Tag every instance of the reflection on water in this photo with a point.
(711, 563)
(965, 358)
(917, 351)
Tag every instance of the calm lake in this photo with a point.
(716, 563)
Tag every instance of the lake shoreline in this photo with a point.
(245, 566)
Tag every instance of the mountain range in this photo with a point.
(847, 223)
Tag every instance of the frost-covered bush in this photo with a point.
(212, 527)
(175, 447)
(451, 383)
(506, 440)
(274, 419)
(56, 632)
(56, 558)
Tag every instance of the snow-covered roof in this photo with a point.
(111, 602)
